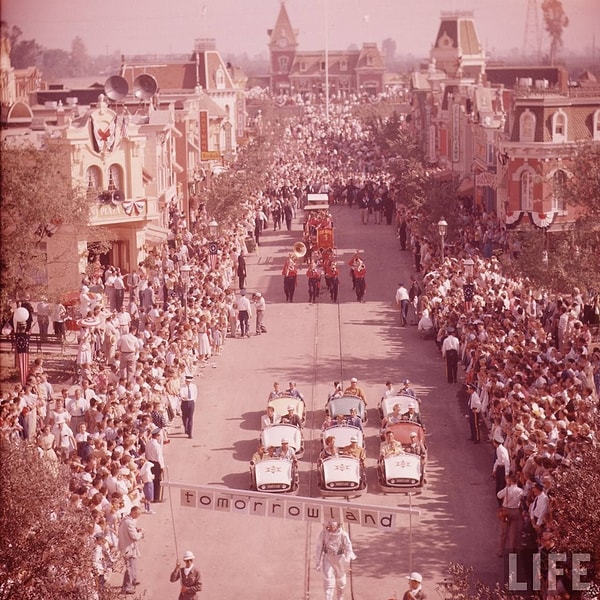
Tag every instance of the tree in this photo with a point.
(576, 508)
(555, 20)
(45, 543)
(583, 187)
(25, 53)
(37, 198)
(79, 59)
(55, 64)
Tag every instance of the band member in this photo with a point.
(290, 274)
(332, 279)
(314, 282)
(360, 284)
(352, 263)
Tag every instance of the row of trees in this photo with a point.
(56, 63)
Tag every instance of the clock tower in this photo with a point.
(282, 50)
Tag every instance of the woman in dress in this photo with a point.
(45, 443)
(204, 350)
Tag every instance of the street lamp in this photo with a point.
(468, 265)
(213, 246)
(184, 271)
(442, 229)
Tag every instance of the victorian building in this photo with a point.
(293, 71)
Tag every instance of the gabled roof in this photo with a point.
(370, 58)
(283, 28)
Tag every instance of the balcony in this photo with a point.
(127, 211)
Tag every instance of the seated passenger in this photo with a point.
(354, 390)
(259, 455)
(393, 417)
(406, 389)
(390, 447)
(415, 446)
(389, 390)
(354, 419)
(270, 453)
(270, 418)
(339, 421)
(354, 450)
(291, 418)
(412, 415)
(337, 391)
(330, 448)
(285, 452)
(276, 393)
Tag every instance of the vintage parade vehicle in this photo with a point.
(278, 473)
(404, 472)
(386, 405)
(318, 224)
(342, 406)
(344, 474)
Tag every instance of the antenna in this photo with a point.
(532, 37)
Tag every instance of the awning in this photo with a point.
(466, 186)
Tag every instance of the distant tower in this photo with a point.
(532, 38)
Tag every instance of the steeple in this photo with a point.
(282, 35)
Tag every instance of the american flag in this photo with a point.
(22, 355)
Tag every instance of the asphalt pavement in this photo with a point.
(251, 557)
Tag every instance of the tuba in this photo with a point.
(299, 249)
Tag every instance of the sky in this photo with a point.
(240, 26)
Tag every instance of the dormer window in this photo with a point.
(322, 65)
(343, 65)
(527, 126)
(302, 66)
(559, 126)
(220, 78)
(370, 61)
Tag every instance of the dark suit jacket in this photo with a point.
(192, 582)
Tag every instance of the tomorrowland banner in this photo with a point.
(296, 508)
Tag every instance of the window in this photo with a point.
(527, 190)
(322, 65)
(115, 178)
(220, 78)
(343, 65)
(559, 181)
(559, 126)
(303, 66)
(596, 132)
(283, 63)
(93, 176)
(527, 126)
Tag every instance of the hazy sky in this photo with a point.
(170, 26)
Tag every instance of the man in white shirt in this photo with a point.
(129, 346)
(501, 466)
(154, 454)
(244, 314)
(474, 404)
(510, 501)
(188, 394)
(403, 302)
(450, 349)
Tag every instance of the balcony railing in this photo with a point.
(127, 211)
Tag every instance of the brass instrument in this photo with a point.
(299, 249)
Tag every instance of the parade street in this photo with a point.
(243, 556)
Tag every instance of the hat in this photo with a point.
(188, 555)
(156, 431)
(258, 295)
(354, 380)
(354, 439)
(413, 434)
(414, 576)
(189, 377)
(291, 407)
(284, 441)
(498, 437)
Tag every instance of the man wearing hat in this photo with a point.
(188, 394)
(333, 555)
(154, 454)
(415, 587)
(189, 575)
(291, 418)
(354, 390)
(450, 349)
(285, 452)
(353, 449)
(260, 305)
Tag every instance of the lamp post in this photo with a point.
(442, 230)
(468, 265)
(213, 246)
(184, 271)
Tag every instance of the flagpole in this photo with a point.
(327, 61)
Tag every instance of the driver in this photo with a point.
(285, 452)
(291, 418)
(390, 447)
(353, 449)
(354, 390)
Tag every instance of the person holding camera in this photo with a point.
(129, 536)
